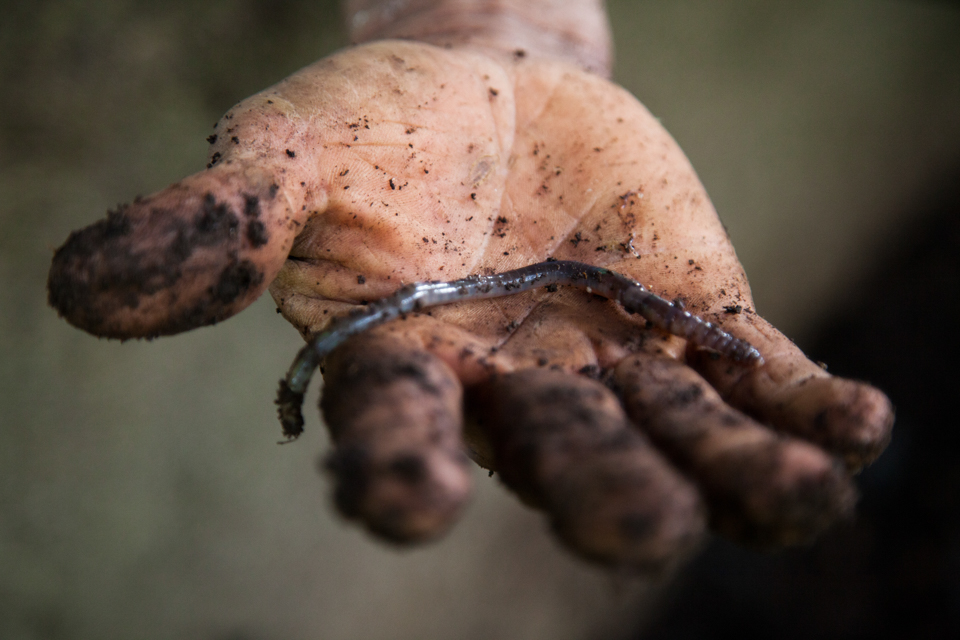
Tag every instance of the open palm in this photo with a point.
(398, 162)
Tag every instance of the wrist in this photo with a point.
(576, 31)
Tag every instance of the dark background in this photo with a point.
(142, 494)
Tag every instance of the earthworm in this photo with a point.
(632, 296)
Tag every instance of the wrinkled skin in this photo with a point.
(397, 162)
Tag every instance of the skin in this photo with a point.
(399, 161)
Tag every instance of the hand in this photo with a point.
(398, 162)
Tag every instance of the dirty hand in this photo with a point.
(397, 162)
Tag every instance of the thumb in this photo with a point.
(190, 255)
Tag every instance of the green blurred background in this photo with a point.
(141, 491)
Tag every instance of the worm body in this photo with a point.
(630, 294)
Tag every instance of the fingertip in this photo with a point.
(788, 492)
(640, 517)
(408, 497)
(851, 418)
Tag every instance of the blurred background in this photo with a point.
(142, 494)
